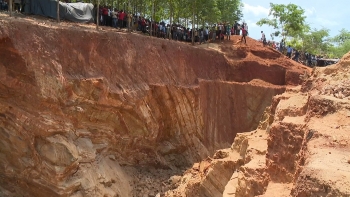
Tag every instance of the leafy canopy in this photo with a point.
(286, 19)
(341, 44)
(180, 11)
(314, 41)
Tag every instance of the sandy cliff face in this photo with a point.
(324, 167)
(86, 113)
(300, 148)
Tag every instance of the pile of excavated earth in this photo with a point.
(111, 113)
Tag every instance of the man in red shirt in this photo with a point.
(104, 15)
(143, 25)
(121, 19)
(244, 33)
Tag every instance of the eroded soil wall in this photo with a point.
(76, 106)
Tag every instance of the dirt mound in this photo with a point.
(105, 113)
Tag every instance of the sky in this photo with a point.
(333, 15)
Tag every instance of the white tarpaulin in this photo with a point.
(77, 12)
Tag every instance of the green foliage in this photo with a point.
(341, 50)
(289, 19)
(231, 10)
(343, 37)
(208, 11)
(316, 41)
(180, 11)
(295, 43)
(341, 44)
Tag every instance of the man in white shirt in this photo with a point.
(220, 30)
(17, 5)
(206, 34)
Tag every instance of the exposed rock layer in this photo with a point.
(81, 111)
(302, 148)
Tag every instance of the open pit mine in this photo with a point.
(115, 114)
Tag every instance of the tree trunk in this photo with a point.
(10, 7)
(129, 16)
(97, 14)
(150, 31)
(171, 20)
(58, 11)
(193, 23)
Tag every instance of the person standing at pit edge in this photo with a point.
(246, 29)
(121, 19)
(228, 32)
(214, 33)
(289, 51)
(115, 18)
(244, 33)
(235, 28)
(263, 38)
(206, 34)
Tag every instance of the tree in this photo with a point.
(230, 10)
(183, 12)
(193, 6)
(10, 7)
(343, 37)
(208, 12)
(341, 44)
(58, 11)
(316, 41)
(288, 20)
(97, 14)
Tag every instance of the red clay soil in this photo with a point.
(109, 98)
(301, 147)
(258, 62)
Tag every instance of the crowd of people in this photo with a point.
(302, 57)
(121, 19)
(18, 5)
(4, 5)
(299, 56)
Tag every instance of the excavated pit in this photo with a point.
(107, 113)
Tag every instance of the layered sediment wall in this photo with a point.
(82, 110)
(300, 147)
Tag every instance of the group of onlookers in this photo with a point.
(121, 19)
(181, 33)
(302, 57)
(305, 58)
(18, 5)
(3, 5)
(112, 17)
(292, 53)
